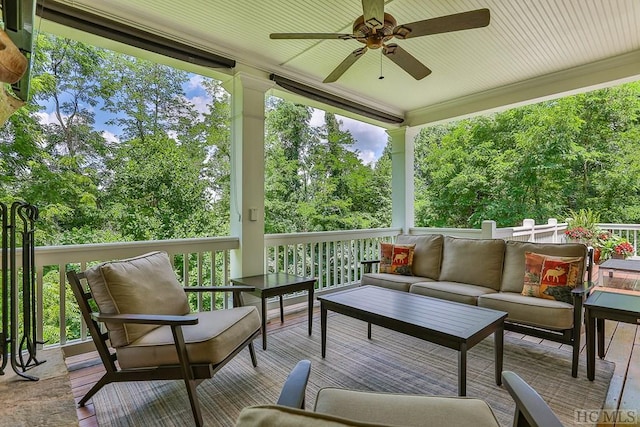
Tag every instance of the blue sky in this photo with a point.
(370, 139)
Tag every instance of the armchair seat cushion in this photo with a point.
(215, 337)
(451, 291)
(404, 410)
(539, 312)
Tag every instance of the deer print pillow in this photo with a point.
(396, 259)
(551, 277)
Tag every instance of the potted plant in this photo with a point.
(622, 250)
(582, 227)
(615, 247)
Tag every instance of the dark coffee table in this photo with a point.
(278, 284)
(449, 324)
(603, 305)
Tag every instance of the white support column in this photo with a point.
(247, 171)
(402, 186)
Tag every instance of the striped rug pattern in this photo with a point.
(389, 362)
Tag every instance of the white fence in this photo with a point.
(333, 257)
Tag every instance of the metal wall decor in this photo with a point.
(18, 336)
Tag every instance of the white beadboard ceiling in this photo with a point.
(532, 49)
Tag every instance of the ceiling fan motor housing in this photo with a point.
(374, 38)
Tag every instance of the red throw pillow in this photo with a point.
(402, 259)
(396, 259)
(551, 277)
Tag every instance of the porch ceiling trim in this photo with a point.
(120, 32)
(333, 100)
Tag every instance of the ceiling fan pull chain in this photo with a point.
(381, 75)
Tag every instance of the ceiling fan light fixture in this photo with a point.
(368, 30)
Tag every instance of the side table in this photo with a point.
(603, 305)
(278, 284)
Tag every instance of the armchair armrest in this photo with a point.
(583, 289)
(531, 409)
(294, 388)
(368, 264)
(146, 319)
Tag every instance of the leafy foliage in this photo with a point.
(538, 161)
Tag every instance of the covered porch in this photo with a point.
(476, 75)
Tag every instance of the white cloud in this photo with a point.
(368, 157)
(195, 81)
(317, 118)
(368, 137)
(110, 137)
(200, 103)
(47, 118)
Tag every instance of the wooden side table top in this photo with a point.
(622, 264)
(614, 301)
(272, 281)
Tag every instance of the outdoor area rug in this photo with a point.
(389, 362)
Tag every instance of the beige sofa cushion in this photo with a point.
(543, 313)
(513, 273)
(473, 261)
(283, 416)
(391, 281)
(145, 284)
(451, 291)
(427, 256)
(404, 410)
(211, 340)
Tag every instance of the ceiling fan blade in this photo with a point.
(327, 36)
(344, 65)
(406, 61)
(444, 24)
(373, 13)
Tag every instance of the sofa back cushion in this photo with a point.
(427, 254)
(473, 261)
(142, 285)
(514, 260)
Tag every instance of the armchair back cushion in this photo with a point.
(428, 251)
(145, 284)
(514, 260)
(473, 261)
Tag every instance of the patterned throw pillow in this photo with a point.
(396, 259)
(551, 277)
(386, 255)
(403, 259)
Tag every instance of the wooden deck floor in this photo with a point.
(622, 344)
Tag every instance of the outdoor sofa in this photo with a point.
(493, 273)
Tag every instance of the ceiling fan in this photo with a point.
(375, 28)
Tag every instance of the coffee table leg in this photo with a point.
(323, 328)
(264, 323)
(498, 341)
(281, 309)
(311, 307)
(591, 345)
(462, 370)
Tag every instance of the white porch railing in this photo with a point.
(332, 257)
